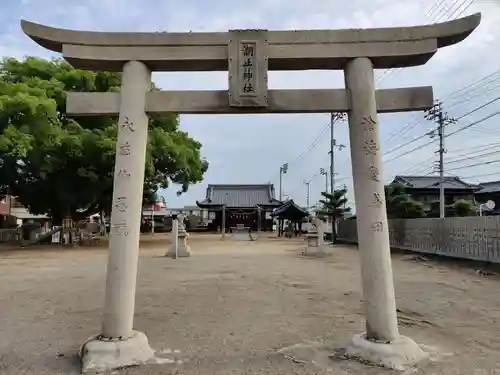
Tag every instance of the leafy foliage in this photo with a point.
(463, 207)
(64, 166)
(460, 208)
(399, 203)
(333, 205)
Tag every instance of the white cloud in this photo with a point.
(251, 148)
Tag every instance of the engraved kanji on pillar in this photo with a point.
(247, 68)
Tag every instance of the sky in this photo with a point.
(249, 149)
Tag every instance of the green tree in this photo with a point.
(64, 166)
(333, 206)
(399, 203)
(434, 211)
(463, 207)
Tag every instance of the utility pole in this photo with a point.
(308, 191)
(334, 118)
(442, 119)
(324, 172)
(283, 170)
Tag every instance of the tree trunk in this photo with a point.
(334, 230)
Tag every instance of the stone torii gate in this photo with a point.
(247, 55)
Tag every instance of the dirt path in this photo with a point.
(232, 305)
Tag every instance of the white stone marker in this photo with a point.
(179, 246)
(316, 240)
(175, 239)
(321, 234)
(119, 345)
(381, 342)
(183, 250)
(182, 236)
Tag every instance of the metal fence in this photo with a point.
(475, 238)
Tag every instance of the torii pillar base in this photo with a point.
(399, 354)
(100, 356)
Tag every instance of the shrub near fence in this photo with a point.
(475, 238)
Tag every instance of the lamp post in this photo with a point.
(324, 172)
(283, 170)
(334, 118)
(308, 191)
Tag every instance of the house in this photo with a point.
(243, 204)
(426, 189)
(488, 191)
(22, 214)
(5, 205)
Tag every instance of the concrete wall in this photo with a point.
(475, 238)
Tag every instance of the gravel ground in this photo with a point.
(232, 305)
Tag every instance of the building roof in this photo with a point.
(432, 182)
(290, 210)
(239, 196)
(489, 187)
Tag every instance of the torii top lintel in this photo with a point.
(286, 50)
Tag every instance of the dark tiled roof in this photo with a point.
(289, 209)
(489, 187)
(240, 195)
(431, 182)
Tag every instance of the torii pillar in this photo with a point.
(119, 345)
(247, 55)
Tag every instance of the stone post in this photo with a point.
(223, 224)
(321, 234)
(128, 346)
(373, 234)
(175, 238)
(180, 248)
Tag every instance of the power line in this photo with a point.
(448, 135)
(473, 157)
(417, 166)
(429, 14)
(463, 10)
(482, 147)
(469, 98)
(405, 144)
(483, 175)
(457, 94)
(434, 8)
(409, 152)
(475, 165)
(495, 74)
(480, 107)
(417, 122)
(311, 147)
(459, 8)
(426, 134)
(474, 123)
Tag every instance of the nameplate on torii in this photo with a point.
(247, 68)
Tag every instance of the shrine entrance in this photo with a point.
(244, 218)
(248, 55)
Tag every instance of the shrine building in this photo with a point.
(240, 204)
